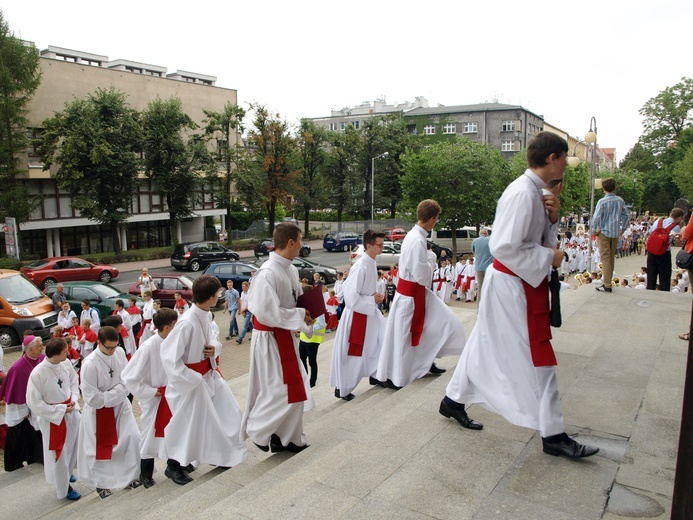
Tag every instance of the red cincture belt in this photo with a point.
(106, 433)
(58, 434)
(287, 354)
(163, 414)
(538, 319)
(357, 336)
(418, 292)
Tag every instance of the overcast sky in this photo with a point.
(566, 61)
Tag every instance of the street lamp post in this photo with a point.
(386, 154)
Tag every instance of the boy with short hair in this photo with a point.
(52, 394)
(181, 304)
(108, 449)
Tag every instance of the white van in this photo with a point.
(465, 237)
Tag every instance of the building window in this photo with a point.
(429, 130)
(470, 128)
(134, 69)
(342, 125)
(91, 63)
(333, 127)
(507, 146)
(357, 124)
(450, 128)
(65, 58)
(35, 136)
(508, 126)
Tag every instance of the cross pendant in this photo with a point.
(110, 372)
(60, 382)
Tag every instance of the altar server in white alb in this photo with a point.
(52, 394)
(108, 449)
(206, 422)
(508, 365)
(278, 391)
(420, 327)
(360, 333)
(146, 379)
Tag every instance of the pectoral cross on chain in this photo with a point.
(60, 382)
(110, 372)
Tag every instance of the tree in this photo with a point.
(173, 159)
(96, 143)
(312, 189)
(683, 174)
(465, 177)
(341, 166)
(666, 115)
(20, 76)
(274, 156)
(225, 127)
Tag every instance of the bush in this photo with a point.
(9, 263)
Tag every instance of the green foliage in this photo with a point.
(20, 76)
(666, 115)
(341, 168)
(96, 142)
(465, 177)
(9, 263)
(313, 185)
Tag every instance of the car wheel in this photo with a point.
(195, 265)
(345, 248)
(304, 252)
(8, 338)
(105, 277)
(47, 282)
(323, 280)
(257, 255)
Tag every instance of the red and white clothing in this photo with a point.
(498, 368)
(147, 316)
(275, 406)
(357, 348)
(51, 387)
(331, 306)
(469, 282)
(88, 340)
(126, 332)
(442, 333)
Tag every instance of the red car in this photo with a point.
(395, 234)
(167, 284)
(67, 269)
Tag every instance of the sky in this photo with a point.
(565, 61)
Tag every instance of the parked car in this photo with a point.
(397, 246)
(166, 286)
(265, 247)
(464, 236)
(23, 307)
(306, 269)
(437, 248)
(67, 269)
(101, 295)
(198, 255)
(237, 272)
(341, 241)
(395, 233)
(385, 259)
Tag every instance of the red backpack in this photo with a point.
(658, 241)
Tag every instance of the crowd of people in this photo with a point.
(71, 408)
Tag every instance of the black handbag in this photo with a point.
(684, 260)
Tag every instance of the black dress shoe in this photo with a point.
(373, 381)
(263, 448)
(147, 482)
(568, 448)
(436, 370)
(460, 416)
(390, 384)
(293, 448)
(348, 397)
(178, 476)
(189, 468)
(276, 444)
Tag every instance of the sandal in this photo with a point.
(685, 336)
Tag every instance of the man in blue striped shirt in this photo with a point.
(610, 220)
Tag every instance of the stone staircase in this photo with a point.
(389, 454)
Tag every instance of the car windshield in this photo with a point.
(329, 237)
(18, 290)
(36, 264)
(106, 291)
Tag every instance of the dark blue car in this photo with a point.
(341, 241)
(237, 272)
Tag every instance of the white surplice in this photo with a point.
(143, 376)
(102, 386)
(443, 334)
(129, 341)
(359, 288)
(272, 300)
(206, 422)
(496, 368)
(49, 386)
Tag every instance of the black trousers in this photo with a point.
(659, 267)
(22, 443)
(309, 352)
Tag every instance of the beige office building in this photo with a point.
(55, 228)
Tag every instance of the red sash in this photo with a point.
(440, 281)
(538, 319)
(357, 335)
(58, 434)
(458, 282)
(123, 331)
(287, 354)
(145, 324)
(202, 367)
(106, 433)
(163, 414)
(418, 292)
